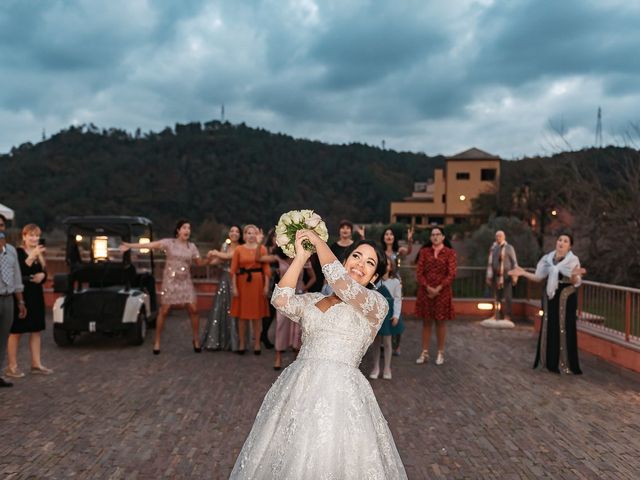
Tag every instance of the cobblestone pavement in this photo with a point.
(115, 411)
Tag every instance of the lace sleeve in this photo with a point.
(368, 302)
(285, 300)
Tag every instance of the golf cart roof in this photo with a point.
(106, 220)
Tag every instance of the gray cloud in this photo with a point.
(435, 77)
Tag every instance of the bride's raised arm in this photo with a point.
(284, 296)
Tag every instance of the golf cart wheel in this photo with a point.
(62, 337)
(138, 330)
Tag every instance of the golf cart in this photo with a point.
(105, 290)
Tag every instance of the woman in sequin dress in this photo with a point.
(558, 340)
(177, 287)
(320, 419)
(221, 332)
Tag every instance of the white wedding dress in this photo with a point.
(320, 419)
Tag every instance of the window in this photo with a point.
(444, 198)
(488, 174)
(436, 220)
(403, 219)
(463, 176)
(418, 220)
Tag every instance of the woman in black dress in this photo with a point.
(34, 274)
(558, 341)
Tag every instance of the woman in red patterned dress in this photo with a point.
(434, 302)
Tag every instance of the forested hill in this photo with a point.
(216, 171)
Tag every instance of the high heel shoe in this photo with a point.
(257, 352)
(240, 352)
(196, 349)
(423, 358)
(156, 351)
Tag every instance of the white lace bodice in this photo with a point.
(344, 331)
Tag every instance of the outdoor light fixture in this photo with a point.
(554, 212)
(540, 313)
(78, 238)
(485, 306)
(144, 240)
(462, 198)
(99, 248)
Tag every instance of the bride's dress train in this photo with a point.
(320, 419)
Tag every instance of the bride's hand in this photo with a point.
(301, 236)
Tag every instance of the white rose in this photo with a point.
(306, 213)
(282, 240)
(313, 220)
(281, 229)
(289, 250)
(285, 219)
(296, 217)
(322, 231)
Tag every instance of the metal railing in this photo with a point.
(610, 310)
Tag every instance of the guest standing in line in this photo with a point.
(250, 286)
(435, 272)
(502, 259)
(34, 274)
(221, 329)
(345, 238)
(391, 288)
(395, 254)
(11, 288)
(557, 349)
(288, 332)
(177, 287)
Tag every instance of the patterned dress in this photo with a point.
(177, 287)
(320, 419)
(435, 270)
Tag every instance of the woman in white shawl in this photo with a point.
(558, 342)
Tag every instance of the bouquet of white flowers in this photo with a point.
(293, 221)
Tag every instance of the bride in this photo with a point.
(320, 419)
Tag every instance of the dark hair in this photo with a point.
(3, 218)
(381, 268)
(566, 234)
(240, 240)
(345, 223)
(179, 225)
(395, 247)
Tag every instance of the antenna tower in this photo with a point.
(599, 129)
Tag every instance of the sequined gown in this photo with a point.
(320, 419)
(221, 331)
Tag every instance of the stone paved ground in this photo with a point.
(114, 411)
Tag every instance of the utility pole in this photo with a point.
(222, 113)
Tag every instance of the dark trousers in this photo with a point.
(503, 296)
(6, 319)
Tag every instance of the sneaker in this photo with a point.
(423, 358)
(374, 374)
(387, 374)
(41, 370)
(396, 352)
(440, 358)
(13, 373)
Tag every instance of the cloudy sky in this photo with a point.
(517, 77)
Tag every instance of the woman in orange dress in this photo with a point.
(250, 287)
